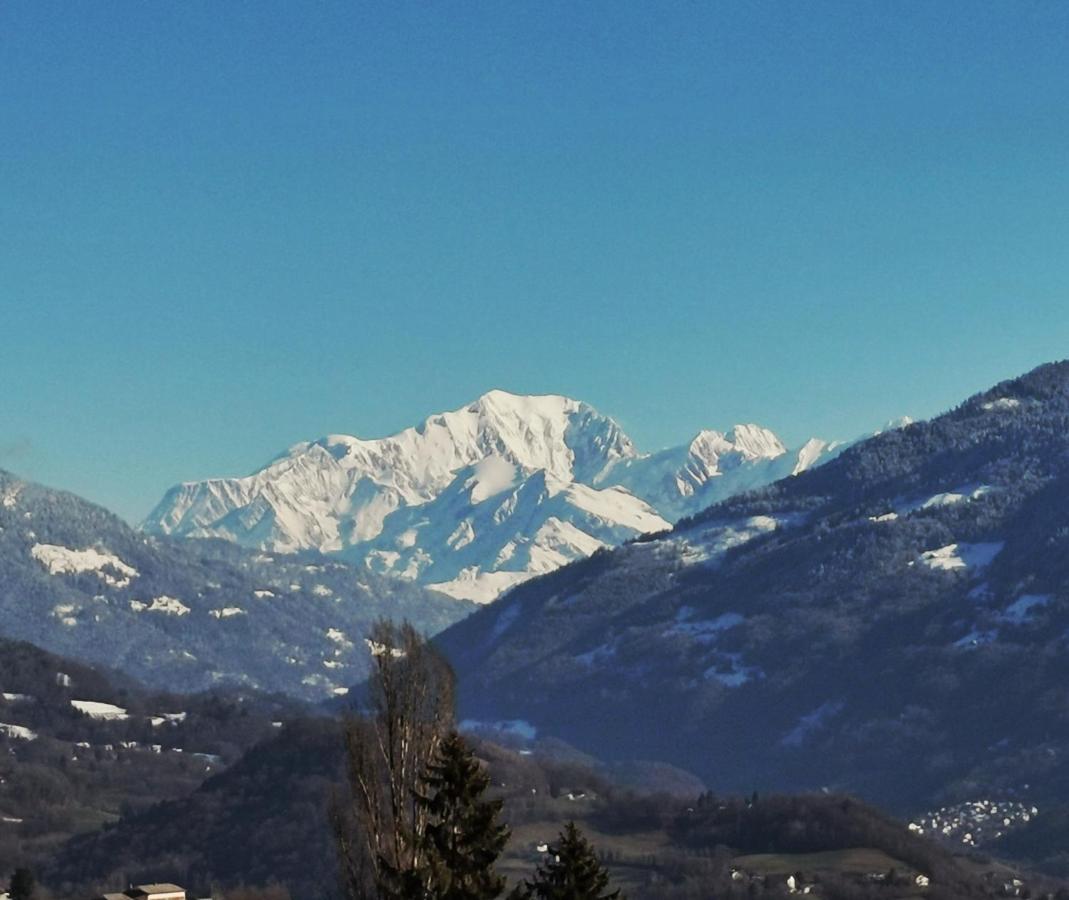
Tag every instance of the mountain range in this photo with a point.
(904, 599)
(474, 501)
(892, 622)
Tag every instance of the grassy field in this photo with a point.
(856, 861)
(649, 854)
(632, 853)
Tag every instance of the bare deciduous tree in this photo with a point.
(409, 708)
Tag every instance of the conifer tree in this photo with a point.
(23, 886)
(572, 872)
(463, 838)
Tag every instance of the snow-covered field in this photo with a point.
(19, 732)
(98, 710)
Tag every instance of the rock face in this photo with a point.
(474, 501)
(189, 615)
(893, 623)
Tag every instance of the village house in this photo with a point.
(147, 892)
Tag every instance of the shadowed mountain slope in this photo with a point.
(892, 623)
(186, 614)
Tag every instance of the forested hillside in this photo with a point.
(190, 614)
(892, 623)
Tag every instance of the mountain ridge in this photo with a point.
(77, 580)
(379, 503)
(908, 600)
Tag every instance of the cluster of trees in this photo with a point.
(804, 823)
(23, 885)
(259, 822)
(417, 823)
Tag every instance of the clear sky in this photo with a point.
(227, 227)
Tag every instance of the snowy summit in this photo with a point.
(474, 501)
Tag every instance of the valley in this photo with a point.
(886, 624)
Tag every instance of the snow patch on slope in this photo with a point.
(1021, 610)
(59, 560)
(98, 710)
(170, 606)
(19, 732)
(976, 638)
(481, 587)
(1002, 403)
(731, 672)
(703, 630)
(810, 724)
(950, 497)
(954, 557)
(711, 540)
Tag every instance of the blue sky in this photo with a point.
(228, 227)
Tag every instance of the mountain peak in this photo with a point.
(508, 485)
(755, 442)
(500, 399)
(749, 441)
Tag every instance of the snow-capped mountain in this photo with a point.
(683, 480)
(474, 501)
